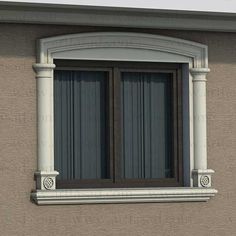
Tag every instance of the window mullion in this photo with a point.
(110, 124)
(180, 126)
(117, 123)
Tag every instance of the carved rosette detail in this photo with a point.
(48, 183)
(204, 180)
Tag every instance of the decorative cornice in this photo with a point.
(116, 17)
(87, 196)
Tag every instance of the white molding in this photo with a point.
(137, 195)
(106, 46)
(121, 46)
(116, 17)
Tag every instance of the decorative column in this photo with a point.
(201, 175)
(45, 175)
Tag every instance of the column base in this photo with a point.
(46, 180)
(202, 178)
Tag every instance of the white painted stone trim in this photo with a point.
(86, 45)
(115, 17)
(134, 195)
(199, 117)
(118, 46)
(44, 75)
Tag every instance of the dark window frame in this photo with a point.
(114, 69)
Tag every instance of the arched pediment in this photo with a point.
(122, 47)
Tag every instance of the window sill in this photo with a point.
(124, 195)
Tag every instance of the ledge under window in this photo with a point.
(124, 195)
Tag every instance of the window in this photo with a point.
(148, 147)
(117, 124)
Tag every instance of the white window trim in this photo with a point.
(116, 46)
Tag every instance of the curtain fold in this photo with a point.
(79, 121)
(146, 125)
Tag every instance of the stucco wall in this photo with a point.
(18, 216)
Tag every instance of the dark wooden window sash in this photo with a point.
(113, 122)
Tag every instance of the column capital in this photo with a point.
(200, 70)
(43, 70)
(199, 74)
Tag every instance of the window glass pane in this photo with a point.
(146, 125)
(79, 124)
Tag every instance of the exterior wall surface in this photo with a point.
(19, 216)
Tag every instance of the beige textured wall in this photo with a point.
(18, 216)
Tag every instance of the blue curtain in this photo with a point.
(146, 125)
